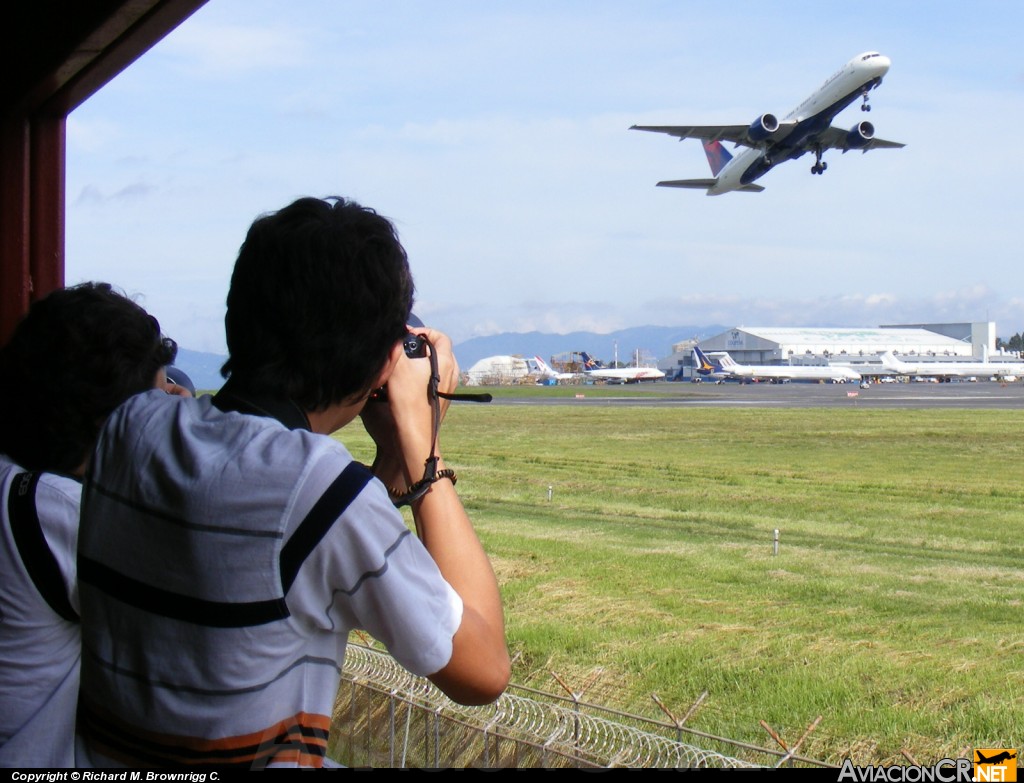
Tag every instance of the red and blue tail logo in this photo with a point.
(718, 155)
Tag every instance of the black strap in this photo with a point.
(430, 473)
(35, 553)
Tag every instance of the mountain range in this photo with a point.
(652, 342)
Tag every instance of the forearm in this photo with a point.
(479, 668)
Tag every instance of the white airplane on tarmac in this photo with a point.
(770, 141)
(727, 368)
(541, 368)
(595, 369)
(1001, 370)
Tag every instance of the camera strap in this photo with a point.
(430, 471)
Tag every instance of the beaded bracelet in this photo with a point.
(419, 489)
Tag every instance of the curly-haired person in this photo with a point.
(78, 354)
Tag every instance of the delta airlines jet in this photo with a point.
(770, 141)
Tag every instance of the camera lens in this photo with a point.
(415, 347)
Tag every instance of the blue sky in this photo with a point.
(495, 134)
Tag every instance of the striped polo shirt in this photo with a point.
(39, 632)
(223, 561)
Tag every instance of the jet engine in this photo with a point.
(763, 127)
(860, 134)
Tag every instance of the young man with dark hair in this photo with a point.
(229, 545)
(76, 355)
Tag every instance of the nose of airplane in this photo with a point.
(881, 64)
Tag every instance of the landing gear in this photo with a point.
(865, 106)
(819, 165)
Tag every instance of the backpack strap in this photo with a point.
(35, 553)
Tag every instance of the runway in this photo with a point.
(984, 394)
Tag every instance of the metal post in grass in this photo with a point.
(550, 490)
(576, 697)
(391, 728)
(792, 751)
(775, 543)
(679, 722)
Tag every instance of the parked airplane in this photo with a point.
(706, 368)
(594, 369)
(541, 368)
(770, 141)
(778, 372)
(1003, 370)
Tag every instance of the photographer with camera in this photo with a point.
(229, 545)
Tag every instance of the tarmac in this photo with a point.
(983, 394)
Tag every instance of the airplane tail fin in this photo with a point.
(589, 362)
(727, 362)
(701, 363)
(890, 361)
(718, 155)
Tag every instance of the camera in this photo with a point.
(415, 346)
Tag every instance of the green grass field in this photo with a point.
(634, 548)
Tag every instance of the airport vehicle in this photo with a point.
(770, 141)
(775, 373)
(1005, 371)
(594, 369)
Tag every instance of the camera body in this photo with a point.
(415, 346)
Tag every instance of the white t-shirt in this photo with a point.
(39, 648)
(223, 561)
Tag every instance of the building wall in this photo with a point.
(755, 345)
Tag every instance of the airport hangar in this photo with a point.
(859, 347)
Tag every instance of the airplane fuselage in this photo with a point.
(812, 117)
(632, 375)
(728, 368)
(787, 373)
(954, 369)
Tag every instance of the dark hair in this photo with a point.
(320, 293)
(78, 354)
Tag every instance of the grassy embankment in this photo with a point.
(893, 608)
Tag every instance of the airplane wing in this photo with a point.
(738, 134)
(839, 139)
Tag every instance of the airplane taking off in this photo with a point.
(770, 141)
(618, 375)
(772, 372)
(1003, 370)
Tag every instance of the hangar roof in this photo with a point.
(910, 337)
(772, 343)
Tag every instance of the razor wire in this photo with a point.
(559, 730)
